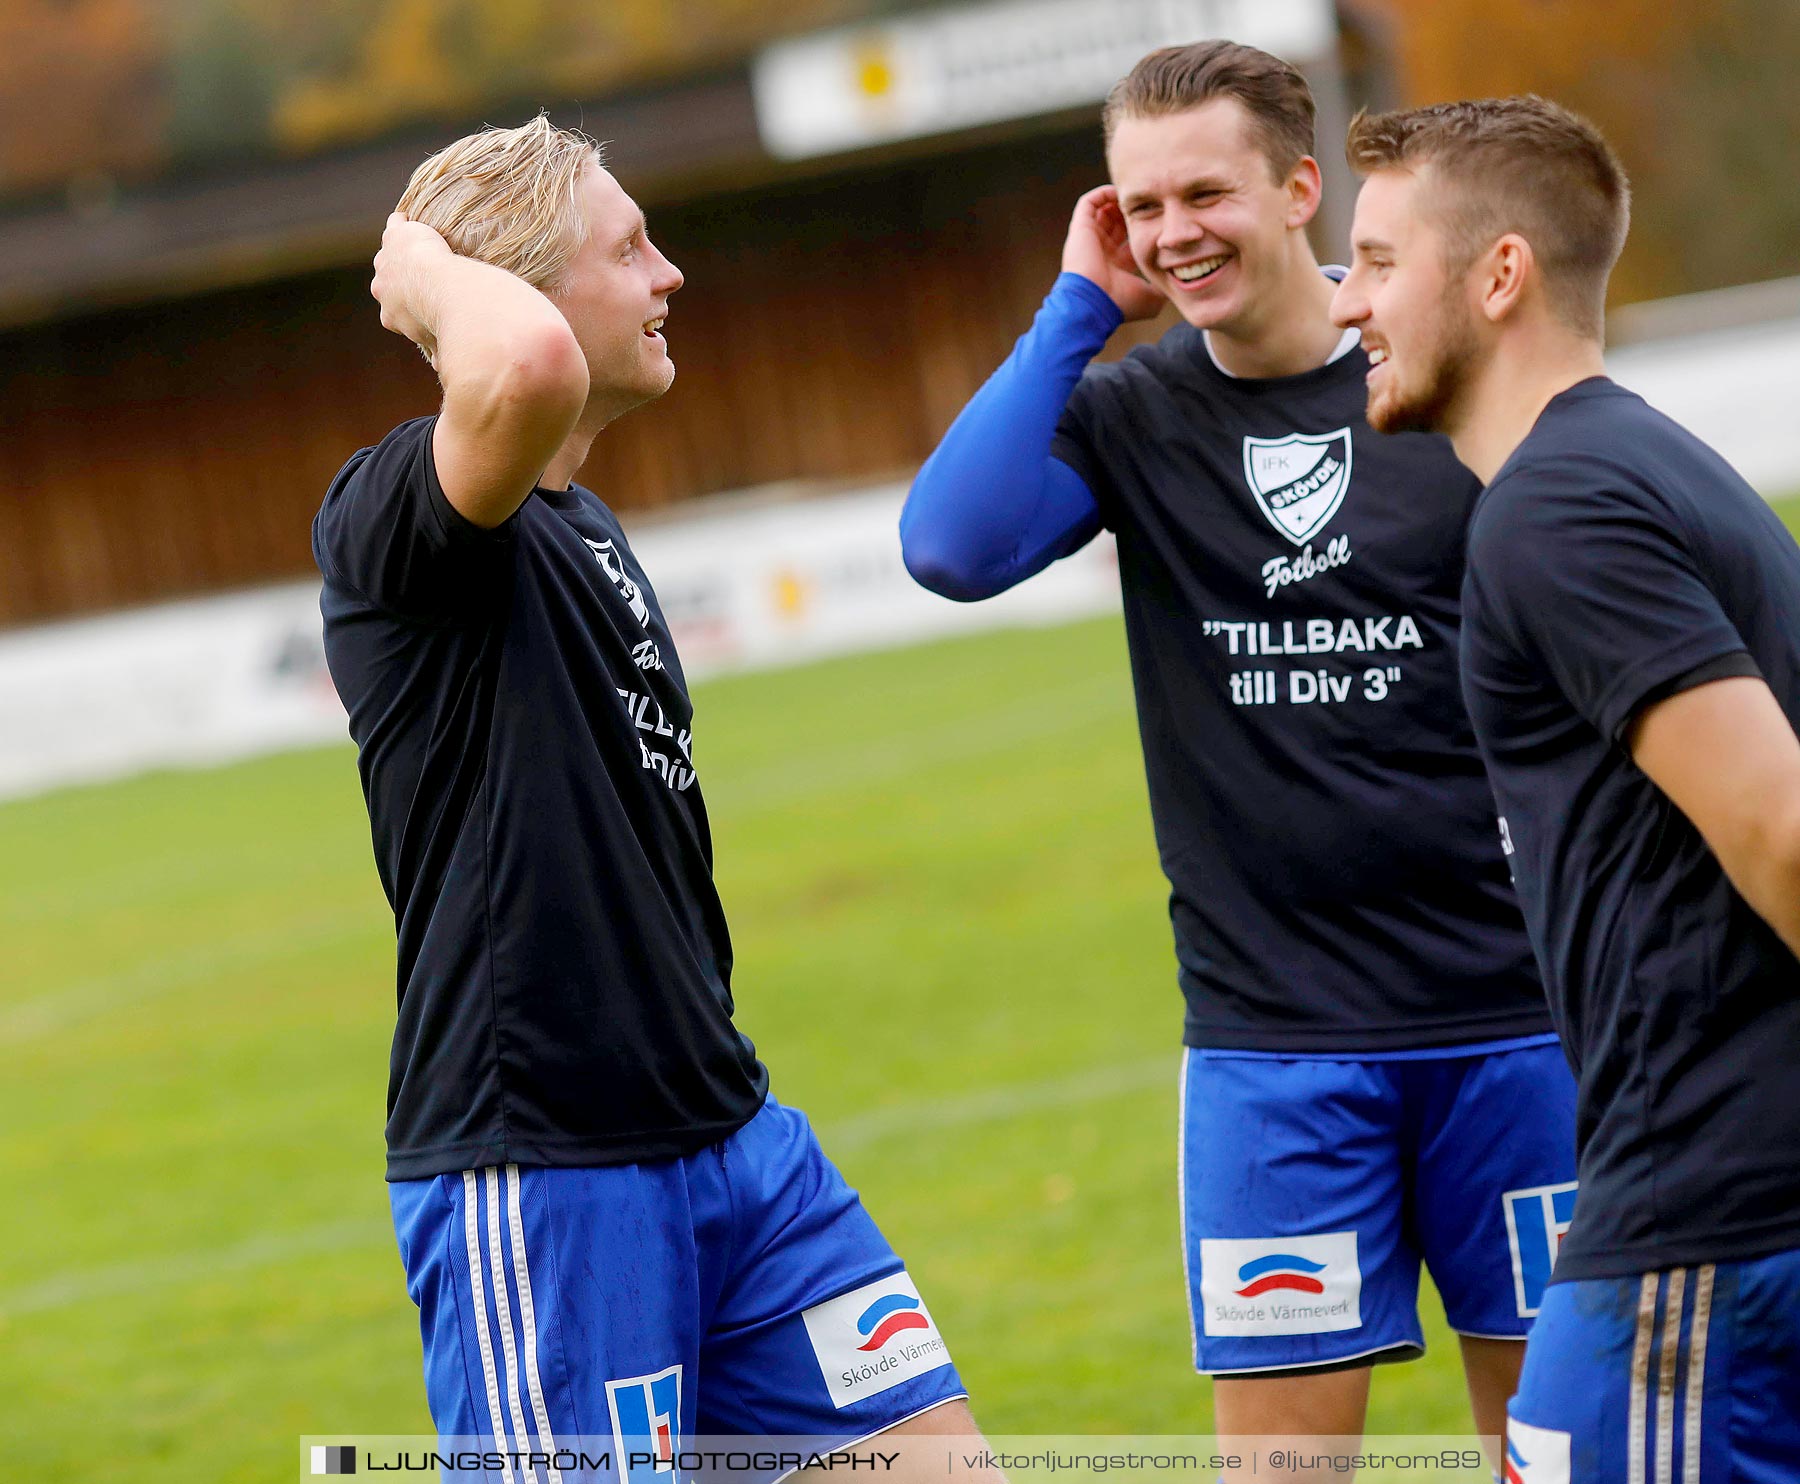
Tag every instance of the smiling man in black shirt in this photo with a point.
(1631, 657)
(1371, 1080)
(608, 1225)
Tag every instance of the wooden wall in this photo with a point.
(827, 332)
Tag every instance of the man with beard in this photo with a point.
(611, 1229)
(1371, 1080)
(1631, 661)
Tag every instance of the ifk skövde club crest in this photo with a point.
(1300, 480)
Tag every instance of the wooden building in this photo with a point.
(186, 358)
(187, 346)
(828, 330)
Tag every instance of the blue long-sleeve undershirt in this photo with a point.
(992, 506)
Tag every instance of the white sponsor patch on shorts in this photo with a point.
(1535, 1455)
(873, 1338)
(646, 1423)
(1280, 1285)
(1537, 1219)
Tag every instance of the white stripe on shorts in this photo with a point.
(528, 1319)
(1638, 1418)
(477, 1291)
(1188, 1279)
(1669, 1354)
(1691, 1434)
(503, 1308)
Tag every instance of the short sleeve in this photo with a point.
(1073, 443)
(388, 533)
(1597, 584)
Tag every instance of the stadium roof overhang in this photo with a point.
(916, 82)
(101, 246)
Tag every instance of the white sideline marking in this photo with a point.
(859, 1131)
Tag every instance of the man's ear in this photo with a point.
(1502, 273)
(1305, 189)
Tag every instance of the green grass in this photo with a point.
(953, 952)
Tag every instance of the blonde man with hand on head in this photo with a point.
(610, 1227)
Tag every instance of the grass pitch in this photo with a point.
(953, 951)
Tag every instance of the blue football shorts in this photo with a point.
(1690, 1376)
(742, 1291)
(1312, 1189)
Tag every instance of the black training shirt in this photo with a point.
(1291, 588)
(525, 745)
(1615, 560)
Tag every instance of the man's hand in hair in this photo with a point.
(405, 285)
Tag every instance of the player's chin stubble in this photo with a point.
(1429, 404)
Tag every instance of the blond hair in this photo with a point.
(1523, 165)
(507, 197)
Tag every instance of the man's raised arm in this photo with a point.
(992, 505)
(514, 376)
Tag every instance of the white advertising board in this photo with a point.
(745, 585)
(957, 67)
(189, 684)
(1736, 389)
(181, 685)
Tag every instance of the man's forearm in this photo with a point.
(1766, 874)
(1726, 756)
(991, 506)
(487, 327)
(515, 377)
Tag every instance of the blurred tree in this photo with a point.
(99, 88)
(1716, 198)
(1694, 94)
(81, 92)
(346, 69)
(220, 98)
